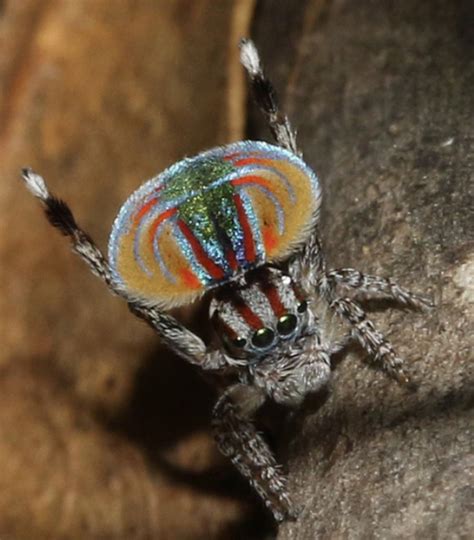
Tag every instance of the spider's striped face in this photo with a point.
(255, 317)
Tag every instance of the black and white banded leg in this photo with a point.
(238, 439)
(177, 337)
(265, 97)
(375, 287)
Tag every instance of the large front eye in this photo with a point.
(263, 338)
(286, 324)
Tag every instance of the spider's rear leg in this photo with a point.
(265, 97)
(374, 287)
(238, 439)
(381, 351)
(176, 336)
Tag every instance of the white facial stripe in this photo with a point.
(283, 286)
(287, 295)
(259, 304)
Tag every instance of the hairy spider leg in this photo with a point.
(238, 439)
(309, 270)
(177, 337)
(376, 287)
(265, 97)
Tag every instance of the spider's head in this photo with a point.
(255, 316)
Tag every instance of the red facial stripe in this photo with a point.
(271, 292)
(211, 267)
(251, 318)
(158, 221)
(249, 245)
(225, 328)
(299, 295)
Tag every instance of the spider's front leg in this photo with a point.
(381, 351)
(177, 337)
(238, 439)
(374, 287)
(308, 269)
(364, 331)
(286, 379)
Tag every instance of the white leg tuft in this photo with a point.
(249, 57)
(35, 183)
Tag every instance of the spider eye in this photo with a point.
(239, 342)
(302, 307)
(263, 338)
(287, 324)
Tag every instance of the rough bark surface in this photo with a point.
(382, 96)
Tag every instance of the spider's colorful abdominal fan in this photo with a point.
(209, 218)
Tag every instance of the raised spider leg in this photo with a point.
(374, 287)
(238, 439)
(265, 97)
(176, 336)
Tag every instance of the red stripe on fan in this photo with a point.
(158, 221)
(214, 270)
(252, 179)
(144, 209)
(250, 161)
(231, 258)
(249, 245)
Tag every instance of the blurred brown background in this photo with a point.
(103, 434)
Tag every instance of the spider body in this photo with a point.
(270, 331)
(240, 222)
